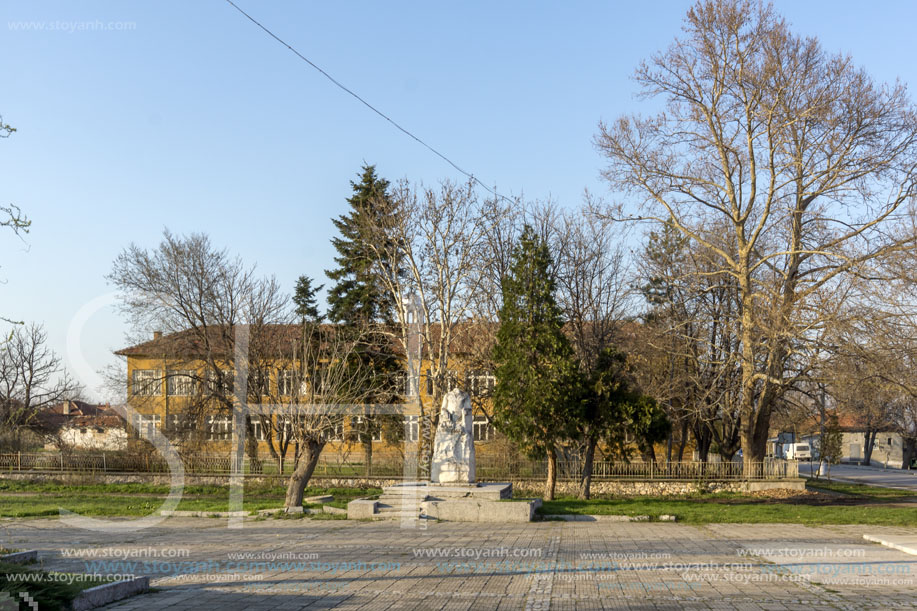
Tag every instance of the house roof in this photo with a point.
(80, 413)
(218, 341)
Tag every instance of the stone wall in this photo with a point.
(612, 488)
(660, 488)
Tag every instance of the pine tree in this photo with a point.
(357, 295)
(304, 298)
(359, 300)
(536, 397)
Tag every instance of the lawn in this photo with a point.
(736, 508)
(859, 490)
(33, 499)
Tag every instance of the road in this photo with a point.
(873, 476)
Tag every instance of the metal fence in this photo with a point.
(489, 468)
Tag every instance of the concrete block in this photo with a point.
(109, 592)
(361, 509)
(479, 510)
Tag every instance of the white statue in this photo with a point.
(453, 448)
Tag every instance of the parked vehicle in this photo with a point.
(798, 451)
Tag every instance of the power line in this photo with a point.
(340, 85)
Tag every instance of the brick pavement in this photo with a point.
(306, 564)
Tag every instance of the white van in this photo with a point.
(798, 451)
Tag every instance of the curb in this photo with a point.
(579, 517)
(109, 592)
(910, 547)
(22, 557)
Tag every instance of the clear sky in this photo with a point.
(136, 116)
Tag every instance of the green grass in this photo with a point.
(693, 510)
(49, 589)
(100, 500)
(859, 490)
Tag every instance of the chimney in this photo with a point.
(157, 334)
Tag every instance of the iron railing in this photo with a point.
(489, 468)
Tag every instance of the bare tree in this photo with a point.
(11, 216)
(427, 258)
(592, 290)
(803, 161)
(201, 297)
(31, 378)
(331, 383)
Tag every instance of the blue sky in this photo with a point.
(133, 117)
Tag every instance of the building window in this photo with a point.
(258, 429)
(411, 428)
(286, 383)
(221, 382)
(219, 428)
(361, 424)
(180, 383)
(482, 429)
(181, 422)
(145, 424)
(481, 383)
(146, 383)
(451, 381)
(258, 383)
(335, 432)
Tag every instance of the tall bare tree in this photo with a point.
(799, 156)
(32, 378)
(11, 216)
(201, 297)
(427, 257)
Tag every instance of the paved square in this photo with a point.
(309, 564)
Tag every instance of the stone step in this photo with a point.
(383, 507)
(397, 515)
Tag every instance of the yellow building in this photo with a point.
(175, 382)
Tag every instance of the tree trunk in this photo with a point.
(367, 453)
(302, 472)
(551, 482)
(588, 458)
(869, 442)
(908, 451)
(682, 441)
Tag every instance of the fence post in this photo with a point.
(104, 464)
(652, 465)
(61, 461)
(19, 461)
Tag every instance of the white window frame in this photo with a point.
(219, 428)
(145, 423)
(146, 383)
(477, 378)
(286, 382)
(257, 429)
(482, 429)
(377, 434)
(411, 429)
(180, 383)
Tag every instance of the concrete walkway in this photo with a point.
(307, 564)
(872, 476)
(904, 543)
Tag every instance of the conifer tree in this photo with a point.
(304, 298)
(357, 299)
(536, 396)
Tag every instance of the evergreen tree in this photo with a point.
(536, 397)
(304, 298)
(358, 300)
(357, 295)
